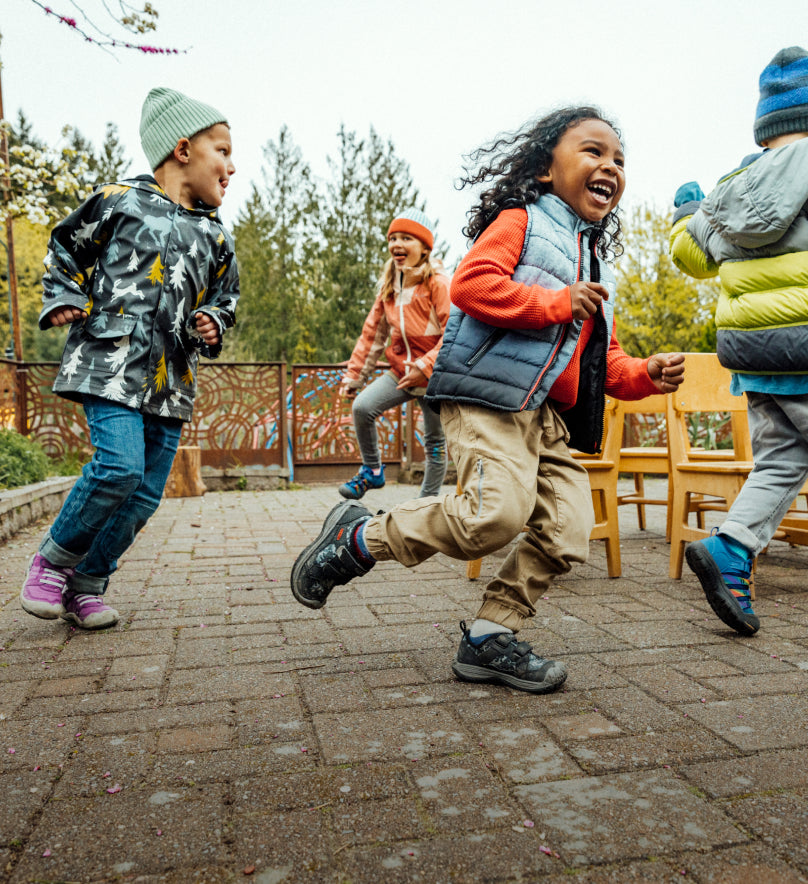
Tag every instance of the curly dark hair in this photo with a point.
(513, 161)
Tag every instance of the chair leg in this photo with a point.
(639, 488)
(614, 566)
(679, 518)
(669, 514)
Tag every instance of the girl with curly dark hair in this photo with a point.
(528, 353)
(514, 163)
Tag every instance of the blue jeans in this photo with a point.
(371, 403)
(779, 429)
(115, 495)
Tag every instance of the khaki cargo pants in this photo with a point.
(516, 473)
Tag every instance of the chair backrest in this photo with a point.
(705, 389)
(650, 405)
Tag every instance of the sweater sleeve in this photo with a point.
(626, 376)
(483, 285)
(439, 295)
(369, 347)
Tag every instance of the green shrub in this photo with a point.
(22, 461)
(69, 464)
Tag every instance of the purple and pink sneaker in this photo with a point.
(44, 586)
(88, 611)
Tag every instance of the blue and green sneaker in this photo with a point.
(723, 567)
(355, 488)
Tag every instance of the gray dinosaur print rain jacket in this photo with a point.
(141, 266)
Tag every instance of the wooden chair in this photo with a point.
(642, 460)
(603, 471)
(704, 479)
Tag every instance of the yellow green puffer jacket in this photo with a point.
(752, 230)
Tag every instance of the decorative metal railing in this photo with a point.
(246, 414)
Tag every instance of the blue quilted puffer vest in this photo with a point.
(513, 370)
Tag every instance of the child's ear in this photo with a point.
(182, 151)
(545, 178)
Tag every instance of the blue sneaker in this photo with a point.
(355, 488)
(724, 567)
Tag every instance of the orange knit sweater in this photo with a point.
(483, 287)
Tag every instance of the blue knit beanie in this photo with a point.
(783, 105)
(415, 223)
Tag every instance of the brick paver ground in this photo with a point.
(224, 733)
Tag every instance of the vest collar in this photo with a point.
(562, 214)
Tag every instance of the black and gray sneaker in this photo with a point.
(502, 659)
(330, 560)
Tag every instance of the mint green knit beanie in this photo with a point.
(169, 115)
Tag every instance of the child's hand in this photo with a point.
(413, 378)
(207, 328)
(586, 297)
(346, 390)
(667, 371)
(66, 315)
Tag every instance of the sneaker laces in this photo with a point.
(358, 483)
(54, 577)
(84, 601)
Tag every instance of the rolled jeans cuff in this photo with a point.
(87, 584)
(57, 555)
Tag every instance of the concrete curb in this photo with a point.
(21, 506)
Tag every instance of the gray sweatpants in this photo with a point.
(779, 429)
(372, 402)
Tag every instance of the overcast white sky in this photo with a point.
(439, 79)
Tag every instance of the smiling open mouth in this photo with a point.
(602, 190)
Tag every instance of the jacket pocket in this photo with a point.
(109, 326)
(486, 345)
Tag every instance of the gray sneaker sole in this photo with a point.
(107, 621)
(41, 609)
(555, 676)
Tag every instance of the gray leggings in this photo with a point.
(375, 399)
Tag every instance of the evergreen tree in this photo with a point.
(111, 164)
(277, 243)
(659, 308)
(369, 185)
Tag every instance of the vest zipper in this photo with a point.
(401, 315)
(600, 403)
(561, 340)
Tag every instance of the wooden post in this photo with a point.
(185, 478)
(9, 226)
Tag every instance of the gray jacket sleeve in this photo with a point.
(756, 206)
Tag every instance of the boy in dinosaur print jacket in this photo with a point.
(146, 274)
